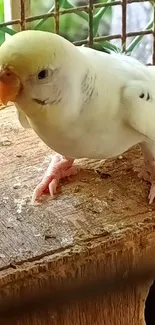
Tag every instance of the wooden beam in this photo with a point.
(12, 10)
(95, 226)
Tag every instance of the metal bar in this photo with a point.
(22, 14)
(90, 28)
(116, 36)
(9, 23)
(69, 11)
(56, 16)
(142, 32)
(153, 57)
(89, 9)
(124, 9)
(134, 1)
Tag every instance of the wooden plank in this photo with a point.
(88, 207)
(94, 222)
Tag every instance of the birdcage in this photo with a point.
(100, 226)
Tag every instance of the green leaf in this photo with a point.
(99, 15)
(99, 47)
(82, 14)
(7, 30)
(43, 20)
(110, 47)
(137, 39)
(65, 5)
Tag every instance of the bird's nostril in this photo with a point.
(8, 74)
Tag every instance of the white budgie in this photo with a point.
(81, 102)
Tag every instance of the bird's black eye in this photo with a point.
(43, 74)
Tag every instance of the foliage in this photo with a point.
(2, 34)
(74, 26)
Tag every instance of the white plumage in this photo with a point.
(87, 104)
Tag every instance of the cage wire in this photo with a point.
(89, 9)
(9, 309)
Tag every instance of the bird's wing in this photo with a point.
(120, 64)
(151, 69)
(23, 118)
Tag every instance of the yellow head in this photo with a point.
(29, 61)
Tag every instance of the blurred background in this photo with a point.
(107, 21)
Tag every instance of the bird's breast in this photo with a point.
(77, 143)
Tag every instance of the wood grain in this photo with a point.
(100, 218)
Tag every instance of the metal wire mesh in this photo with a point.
(89, 8)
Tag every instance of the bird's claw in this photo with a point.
(151, 196)
(145, 175)
(58, 169)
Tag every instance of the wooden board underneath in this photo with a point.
(88, 209)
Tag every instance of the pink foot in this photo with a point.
(59, 168)
(151, 196)
(146, 176)
(148, 151)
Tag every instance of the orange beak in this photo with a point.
(9, 86)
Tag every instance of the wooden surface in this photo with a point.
(95, 220)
